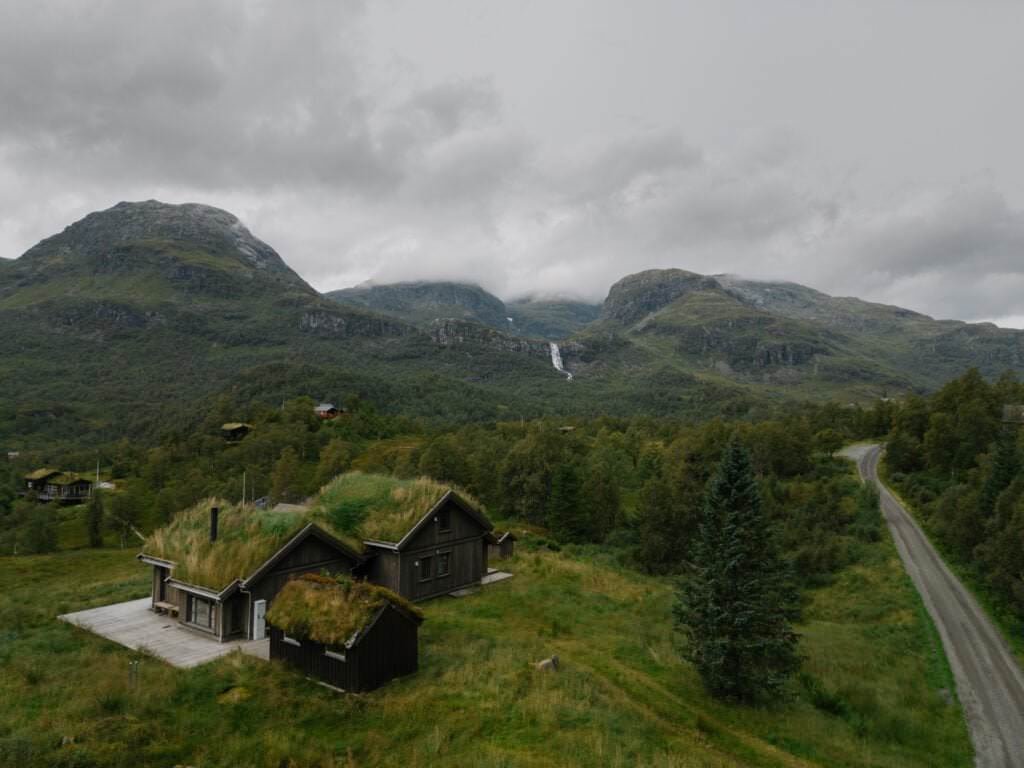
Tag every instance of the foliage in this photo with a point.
(94, 519)
(966, 482)
(736, 608)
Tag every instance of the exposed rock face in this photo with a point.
(197, 247)
(636, 296)
(325, 322)
(450, 332)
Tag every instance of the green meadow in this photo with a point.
(874, 690)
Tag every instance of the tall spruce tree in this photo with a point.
(94, 519)
(736, 606)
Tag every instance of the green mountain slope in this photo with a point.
(420, 303)
(423, 303)
(136, 319)
(782, 339)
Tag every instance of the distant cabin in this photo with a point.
(234, 431)
(1013, 414)
(241, 558)
(327, 411)
(504, 546)
(351, 635)
(56, 485)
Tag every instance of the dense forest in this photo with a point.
(633, 485)
(955, 458)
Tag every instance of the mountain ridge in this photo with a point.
(154, 303)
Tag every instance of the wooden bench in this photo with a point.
(168, 608)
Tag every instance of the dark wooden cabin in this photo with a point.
(352, 636)
(234, 431)
(237, 609)
(444, 551)
(54, 485)
(503, 547)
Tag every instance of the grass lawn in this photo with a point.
(869, 694)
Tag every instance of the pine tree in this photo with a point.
(94, 520)
(737, 605)
(1003, 468)
(285, 479)
(566, 517)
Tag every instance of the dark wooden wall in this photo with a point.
(311, 556)
(388, 650)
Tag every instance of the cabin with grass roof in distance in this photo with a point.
(351, 635)
(421, 538)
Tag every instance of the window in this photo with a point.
(335, 652)
(200, 612)
(444, 520)
(290, 640)
(426, 568)
(444, 563)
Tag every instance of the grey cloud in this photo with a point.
(369, 143)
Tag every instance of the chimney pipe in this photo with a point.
(214, 512)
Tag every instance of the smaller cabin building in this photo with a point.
(503, 547)
(327, 411)
(348, 634)
(233, 431)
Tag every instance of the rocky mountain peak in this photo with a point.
(638, 295)
(135, 235)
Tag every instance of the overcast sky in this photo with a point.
(863, 148)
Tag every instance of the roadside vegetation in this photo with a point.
(957, 463)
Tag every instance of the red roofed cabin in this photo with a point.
(327, 411)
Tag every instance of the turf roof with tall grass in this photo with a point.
(331, 611)
(353, 507)
(380, 507)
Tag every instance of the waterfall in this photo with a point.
(556, 360)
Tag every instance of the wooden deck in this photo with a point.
(134, 625)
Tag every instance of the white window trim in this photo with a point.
(290, 640)
(339, 655)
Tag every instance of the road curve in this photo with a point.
(989, 681)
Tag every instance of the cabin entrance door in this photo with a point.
(259, 620)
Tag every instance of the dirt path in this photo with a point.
(989, 682)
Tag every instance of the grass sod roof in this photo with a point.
(330, 611)
(380, 507)
(40, 474)
(352, 507)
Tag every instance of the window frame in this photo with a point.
(444, 520)
(190, 616)
(446, 558)
(285, 638)
(337, 655)
(427, 562)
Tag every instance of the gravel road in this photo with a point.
(989, 681)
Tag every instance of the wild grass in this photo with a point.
(872, 694)
(379, 507)
(353, 507)
(330, 610)
(246, 538)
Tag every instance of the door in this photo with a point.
(259, 619)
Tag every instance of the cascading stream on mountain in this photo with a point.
(556, 360)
